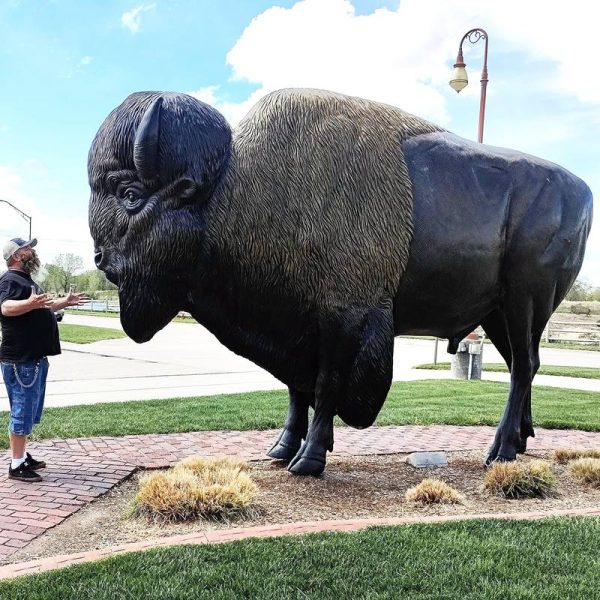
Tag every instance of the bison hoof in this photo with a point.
(503, 455)
(526, 432)
(505, 446)
(310, 460)
(286, 446)
(307, 466)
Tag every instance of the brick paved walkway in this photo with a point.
(80, 470)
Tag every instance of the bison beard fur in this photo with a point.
(318, 230)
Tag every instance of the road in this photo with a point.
(185, 360)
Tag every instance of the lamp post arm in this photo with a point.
(24, 215)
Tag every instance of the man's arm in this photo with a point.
(15, 308)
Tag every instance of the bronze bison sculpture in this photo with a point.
(320, 228)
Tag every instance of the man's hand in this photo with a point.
(75, 299)
(39, 300)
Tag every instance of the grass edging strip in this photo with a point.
(274, 531)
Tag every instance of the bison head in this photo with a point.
(153, 167)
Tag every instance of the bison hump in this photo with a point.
(319, 194)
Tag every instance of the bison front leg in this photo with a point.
(295, 428)
(356, 357)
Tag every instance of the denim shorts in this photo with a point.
(26, 386)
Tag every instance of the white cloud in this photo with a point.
(81, 64)
(324, 44)
(233, 111)
(132, 19)
(402, 56)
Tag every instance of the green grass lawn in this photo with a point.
(84, 334)
(450, 402)
(571, 346)
(584, 372)
(553, 559)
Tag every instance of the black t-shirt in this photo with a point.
(29, 336)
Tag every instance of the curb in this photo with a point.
(299, 528)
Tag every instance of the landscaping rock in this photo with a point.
(421, 460)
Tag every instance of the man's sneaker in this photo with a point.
(33, 464)
(23, 473)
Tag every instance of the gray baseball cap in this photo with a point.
(16, 244)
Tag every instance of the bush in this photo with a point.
(196, 487)
(586, 470)
(433, 491)
(581, 309)
(517, 480)
(564, 455)
(566, 306)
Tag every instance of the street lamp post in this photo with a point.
(459, 76)
(467, 362)
(24, 215)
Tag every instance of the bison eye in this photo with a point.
(132, 195)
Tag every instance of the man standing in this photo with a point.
(29, 336)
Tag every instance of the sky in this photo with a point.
(65, 64)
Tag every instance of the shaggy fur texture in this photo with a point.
(318, 198)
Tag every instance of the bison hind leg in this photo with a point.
(516, 332)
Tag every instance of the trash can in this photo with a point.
(466, 363)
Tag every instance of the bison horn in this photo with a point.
(145, 149)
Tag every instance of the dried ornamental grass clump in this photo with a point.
(198, 464)
(195, 487)
(517, 480)
(564, 455)
(586, 470)
(433, 491)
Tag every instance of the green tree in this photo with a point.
(61, 273)
(92, 282)
(580, 290)
(595, 294)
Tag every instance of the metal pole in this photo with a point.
(484, 81)
(474, 35)
(435, 351)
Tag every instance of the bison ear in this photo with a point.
(185, 189)
(145, 148)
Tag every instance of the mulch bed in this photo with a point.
(350, 488)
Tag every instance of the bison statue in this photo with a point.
(318, 230)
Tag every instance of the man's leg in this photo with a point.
(17, 447)
(38, 405)
(21, 382)
(40, 387)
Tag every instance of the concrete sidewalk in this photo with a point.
(185, 360)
